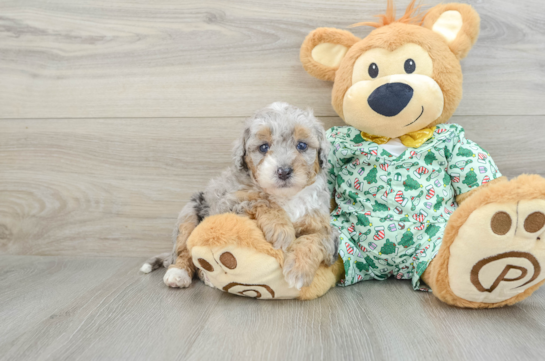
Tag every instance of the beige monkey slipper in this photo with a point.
(234, 257)
(493, 251)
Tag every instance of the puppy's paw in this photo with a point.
(177, 278)
(279, 235)
(298, 273)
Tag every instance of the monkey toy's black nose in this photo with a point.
(390, 99)
(284, 173)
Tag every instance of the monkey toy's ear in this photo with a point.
(324, 49)
(458, 24)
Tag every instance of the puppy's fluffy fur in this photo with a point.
(292, 210)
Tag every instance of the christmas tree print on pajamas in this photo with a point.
(392, 211)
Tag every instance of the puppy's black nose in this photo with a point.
(390, 99)
(284, 173)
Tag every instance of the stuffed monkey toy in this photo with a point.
(415, 199)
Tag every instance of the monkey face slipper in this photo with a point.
(233, 256)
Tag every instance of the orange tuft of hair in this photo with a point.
(412, 15)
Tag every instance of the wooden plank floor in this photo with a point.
(61, 308)
(112, 113)
(163, 58)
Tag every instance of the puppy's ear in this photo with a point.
(323, 153)
(323, 150)
(239, 151)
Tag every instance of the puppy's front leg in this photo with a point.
(274, 223)
(276, 227)
(315, 244)
(272, 219)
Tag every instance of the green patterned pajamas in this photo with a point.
(392, 211)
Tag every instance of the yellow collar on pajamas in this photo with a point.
(410, 140)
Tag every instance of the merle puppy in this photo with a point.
(277, 178)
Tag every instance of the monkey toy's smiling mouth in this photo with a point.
(414, 121)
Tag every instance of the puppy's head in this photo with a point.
(283, 149)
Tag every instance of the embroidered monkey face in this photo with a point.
(403, 76)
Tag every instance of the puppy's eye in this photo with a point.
(373, 70)
(302, 146)
(264, 148)
(410, 66)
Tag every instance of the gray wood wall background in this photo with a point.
(113, 112)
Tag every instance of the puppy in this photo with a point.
(277, 178)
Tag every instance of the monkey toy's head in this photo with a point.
(404, 76)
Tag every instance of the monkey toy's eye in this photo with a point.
(373, 70)
(264, 148)
(410, 66)
(301, 146)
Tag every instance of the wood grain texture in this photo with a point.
(115, 186)
(209, 58)
(56, 308)
(112, 113)
(92, 186)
